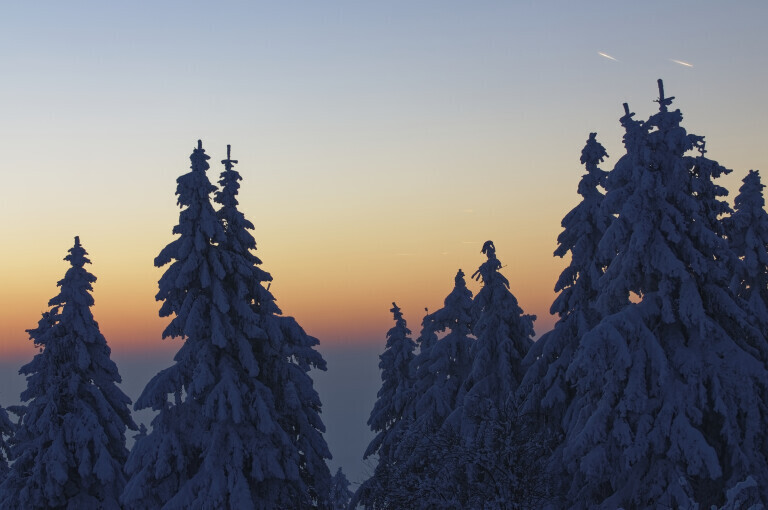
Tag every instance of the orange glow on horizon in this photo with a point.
(344, 304)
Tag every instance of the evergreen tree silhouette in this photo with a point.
(390, 415)
(69, 447)
(222, 441)
(340, 493)
(747, 231)
(669, 397)
(440, 371)
(504, 336)
(166, 465)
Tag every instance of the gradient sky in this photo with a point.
(381, 143)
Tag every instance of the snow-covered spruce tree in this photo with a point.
(424, 342)
(669, 401)
(545, 392)
(219, 442)
(747, 231)
(504, 336)
(284, 353)
(340, 493)
(389, 418)
(442, 368)
(499, 470)
(166, 466)
(69, 446)
(440, 371)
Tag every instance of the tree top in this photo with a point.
(663, 101)
(199, 158)
(229, 163)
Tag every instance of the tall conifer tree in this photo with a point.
(669, 400)
(69, 447)
(224, 440)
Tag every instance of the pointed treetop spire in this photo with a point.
(77, 254)
(396, 311)
(490, 267)
(663, 101)
(229, 163)
(593, 153)
(627, 117)
(459, 279)
(199, 158)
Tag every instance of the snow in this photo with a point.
(68, 448)
(238, 422)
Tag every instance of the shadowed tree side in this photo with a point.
(69, 446)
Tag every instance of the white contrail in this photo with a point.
(605, 55)
(686, 64)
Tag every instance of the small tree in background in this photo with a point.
(69, 447)
(504, 336)
(444, 367)
(425, 477)
(340, 493)
(388, 417)
(488, 439)
(747, 231)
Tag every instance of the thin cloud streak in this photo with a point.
(686, 64)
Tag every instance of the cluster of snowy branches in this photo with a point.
(650, 391)
(237, 420)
